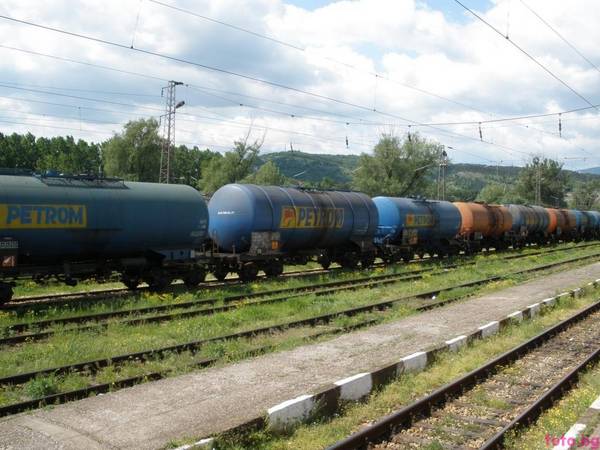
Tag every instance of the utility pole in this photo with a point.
(538, 184)
(441, 181)
(168, 131)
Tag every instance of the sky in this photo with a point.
(313, 75)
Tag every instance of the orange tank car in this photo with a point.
(489, 220)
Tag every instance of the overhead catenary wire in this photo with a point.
(339, 140)
(522, 50)
(358, 122)
(233, 73)
(305, 49)
(274, 84)
(555, 31)
(351, 66)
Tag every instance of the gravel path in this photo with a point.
(196, 404)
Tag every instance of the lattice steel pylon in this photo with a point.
(168, 131)
(441, 180)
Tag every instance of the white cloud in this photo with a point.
(405, 41)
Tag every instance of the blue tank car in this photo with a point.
(288, 224)
(408, 226)
(76, 227)
(594, 220)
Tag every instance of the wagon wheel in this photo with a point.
(324, 261)
(158, 280)
(274, 269)
(367, 261)
(248, 272)
(194, 278)
(220, 273)
(349, 261)
(406, 257)
(6, 293)
(130, 281)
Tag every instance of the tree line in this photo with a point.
(398, 166)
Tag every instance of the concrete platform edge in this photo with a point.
(328, 400)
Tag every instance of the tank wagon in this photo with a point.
(257, 228)
(74, 228)
(532, 224)
(594, 220)
(483, 225)
(409, 225)
(556, 223)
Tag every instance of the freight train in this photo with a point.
(72, 228)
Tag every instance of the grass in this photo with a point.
(557, 421)
(38, 312)
(69, 347)
(408, 387)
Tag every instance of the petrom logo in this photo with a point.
(17, 216)
(419, 220)
(310, 217)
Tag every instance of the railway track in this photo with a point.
(197, 307)
(91, 367)
(20, 332)
(73, 298)
(480, 408)
(101, 294)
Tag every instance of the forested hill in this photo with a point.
(314, 167)
(466, 178)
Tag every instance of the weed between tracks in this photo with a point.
(557, 421)
(410, 387)
(70, 347)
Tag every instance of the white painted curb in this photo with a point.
(489, 329)
(202, 443)
(534, 309)
(457, 343)
(517, 316)
(415, 362)
(291, 411)
(570, 436)
(360, 385)
(355, 387)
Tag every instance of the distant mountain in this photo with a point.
(314, 167)
(464, 180)
(591, 170)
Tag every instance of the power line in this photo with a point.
(232, 73)
(84, 63)
(94, 91)
(514, 44)
(304, 50)
(204, 88)
(555, 31)
(252, 78)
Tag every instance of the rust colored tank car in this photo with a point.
(556, 222)
(480, 220)
(570, 219)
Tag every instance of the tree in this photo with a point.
(64, 155)
(187, 164)
(267, 175)
(585, 195)
(492, 193)
(551, 178)
(134, 154)
(233, 167)
(397, 168)
(18, 151)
